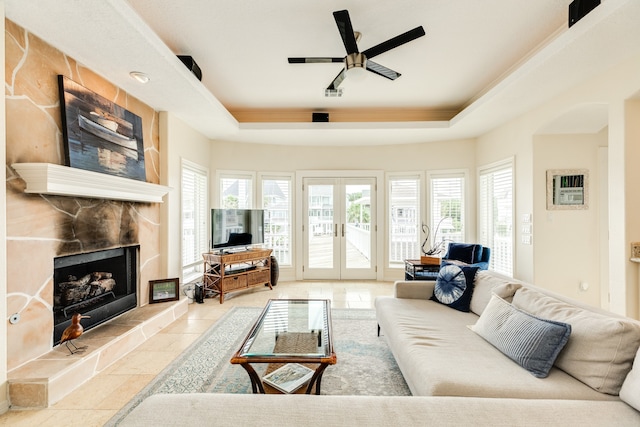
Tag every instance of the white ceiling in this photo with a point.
(489, 61)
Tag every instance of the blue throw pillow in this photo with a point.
(530, 341)
(465, 252)
(454, 286)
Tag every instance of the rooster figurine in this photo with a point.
(73, 332)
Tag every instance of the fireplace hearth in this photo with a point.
(101, 284)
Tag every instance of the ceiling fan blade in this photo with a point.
(394, 42)
(346, 31)
(381, 70)
(313, 60)
(336, 82)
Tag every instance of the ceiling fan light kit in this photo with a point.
(356, 61)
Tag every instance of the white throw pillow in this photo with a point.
(630, 391)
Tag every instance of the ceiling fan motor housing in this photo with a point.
(355, 60)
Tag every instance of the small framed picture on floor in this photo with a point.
(163, 290)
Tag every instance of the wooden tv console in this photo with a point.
(232, 272)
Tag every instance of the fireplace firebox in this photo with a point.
(101, 284)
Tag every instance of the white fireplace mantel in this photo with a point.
(48, 178)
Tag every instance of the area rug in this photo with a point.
(365, 364)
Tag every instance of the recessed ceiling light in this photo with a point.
(140, 76)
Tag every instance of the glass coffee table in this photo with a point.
(289, 331)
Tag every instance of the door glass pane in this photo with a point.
(358, 226)
(321, 226)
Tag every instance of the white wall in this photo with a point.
(575, 257)
(516, 138)
(283, 158)
(177, 141)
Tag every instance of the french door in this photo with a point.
(339, 228)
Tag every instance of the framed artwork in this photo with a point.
(163, 290)
(99, 135)
(567, 189)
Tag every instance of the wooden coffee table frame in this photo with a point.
(275, 359)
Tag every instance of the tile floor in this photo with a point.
(96, 401)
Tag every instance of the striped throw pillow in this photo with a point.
(531, 342)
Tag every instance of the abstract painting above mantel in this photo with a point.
(98, 134)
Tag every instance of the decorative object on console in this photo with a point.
(163, 290)
(454, 286)
(437, 247)
(100, 135)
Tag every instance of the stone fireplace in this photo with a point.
(100, 284)
(44, 227)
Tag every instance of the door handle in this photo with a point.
(335, 230)
(342, 230)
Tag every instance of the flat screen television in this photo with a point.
(236, 228)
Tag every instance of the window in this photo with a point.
(236, 191)
(496, 215)
(446, 207)
(404, 223)
(195, 217)
(277, 202)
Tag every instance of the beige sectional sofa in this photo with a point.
(440, 354)
(456, 376)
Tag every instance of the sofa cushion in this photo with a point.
(531, 342)
(485, 284)
(465, 252)
(601, 348)
(629, 391)
(454, 286)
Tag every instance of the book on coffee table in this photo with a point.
(289, 377)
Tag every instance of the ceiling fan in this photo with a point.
(356, 59)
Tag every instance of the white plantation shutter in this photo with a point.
(277, 203)
(447, 208)
(404, 219)
(236, 191)
(195, 217)
(496, 215)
